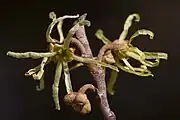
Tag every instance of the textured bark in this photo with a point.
(97, 73)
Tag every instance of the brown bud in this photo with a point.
(69, 98)
(86, 108)
(86, 87)
(81, 99)
(83, 108)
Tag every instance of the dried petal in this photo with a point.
(111, 82)
(142, 32)
(99, 34)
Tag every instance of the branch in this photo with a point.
(79, 46)
(81, 36)
(97, 73)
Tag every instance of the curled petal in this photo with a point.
(137, 51)
(76, 66)
(55, 96)
(33, 55)
(85, 22)
(99, 34)
(50, 27)
(128, 24)
(55, 86)
(111, 82)
(41, 85)
(39, 75)
(92, 61)
(67, 78)
(39, 69)
(41, 72)
(129, 20)
(142, 32)
(33, 71)
(155, 55)
(59, 28)
(52, 16)
(152, 64)
(73, 30)
(137, 71)
(143, 57)
(127, 64)
(137, 57)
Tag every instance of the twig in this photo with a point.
(97, 73)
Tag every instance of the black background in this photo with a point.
(22, 28)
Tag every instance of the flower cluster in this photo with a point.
(60, 53)
(114, 55)
(120, 51)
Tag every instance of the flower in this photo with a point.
(60, 53)
(120, 51)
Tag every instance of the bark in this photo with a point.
(97, 73)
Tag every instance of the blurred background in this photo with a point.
(22, 28)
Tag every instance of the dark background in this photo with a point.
(22, 28)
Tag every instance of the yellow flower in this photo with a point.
(122, 50)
